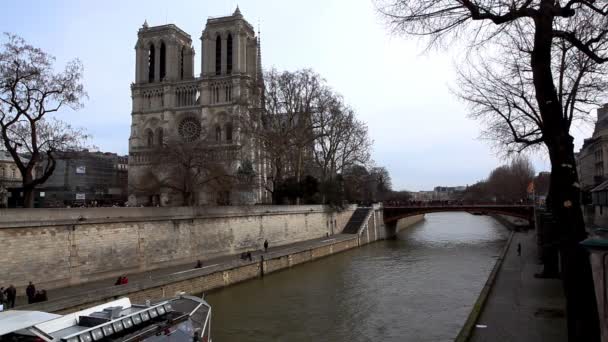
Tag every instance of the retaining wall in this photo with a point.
(61, 247)
(201, 280)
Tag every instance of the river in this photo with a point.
(419, 287)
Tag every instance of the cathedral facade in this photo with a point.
(212, 110)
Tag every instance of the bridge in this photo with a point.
(392, 214)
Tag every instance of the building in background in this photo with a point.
(82, 178)
(171, 104)
(592, 157)
(593, 171)
(10, 178)
(447, 193)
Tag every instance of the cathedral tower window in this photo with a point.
(151, 57)
(159, 136)
(181, 63)
(229, 132)
(150, 138)
(218, 55)
(229, 54)
(218, 133)
(163, 60)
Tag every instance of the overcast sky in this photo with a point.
(420, 130)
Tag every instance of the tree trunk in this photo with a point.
(28, 189)
(28, 197)
(564, 191)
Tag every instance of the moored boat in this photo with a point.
(183, 318)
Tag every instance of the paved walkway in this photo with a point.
(70, 291)
(520, 307)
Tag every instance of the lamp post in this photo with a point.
(598, 254)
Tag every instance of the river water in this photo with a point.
(419, 287)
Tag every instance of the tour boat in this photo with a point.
(180, 319)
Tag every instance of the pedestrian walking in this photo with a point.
(11, 295)
(518, 249)
(265, 245)
(199, 264)
(30, 292)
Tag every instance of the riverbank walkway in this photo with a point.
(521, 307)
(212, 265)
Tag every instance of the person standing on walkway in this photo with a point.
(518, 249)
(30, 292)
(265, 245)
(2, 297)
(11, 294)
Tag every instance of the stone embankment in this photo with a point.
(215, 272)
(64, 247)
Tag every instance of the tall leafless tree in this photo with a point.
(30, 92)
(342, 140)
(287, 125)
(541, 32)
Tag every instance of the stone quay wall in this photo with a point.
(202, 280)
(63, 247)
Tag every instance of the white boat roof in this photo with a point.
(15, 320)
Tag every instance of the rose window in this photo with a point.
(189, 129)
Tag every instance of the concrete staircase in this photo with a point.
(354, 224)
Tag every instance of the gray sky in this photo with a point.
(421, 131)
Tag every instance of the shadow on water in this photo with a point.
(418, 287)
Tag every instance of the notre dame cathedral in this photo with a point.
(170, 102)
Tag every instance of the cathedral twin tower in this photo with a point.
(171, 104)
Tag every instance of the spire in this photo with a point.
(259, 73)
(145, 25)
(237, 12)
(259, 66)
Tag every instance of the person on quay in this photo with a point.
(2, 297)
(265, 245)
(11, 295)
(30, 292)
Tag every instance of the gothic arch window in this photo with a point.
(218, 133)
(229, 132)
(218, 55)
(181, 63)
(229, 54)
(151, 60)
(159, 136)
(150, 138)
(163, 61)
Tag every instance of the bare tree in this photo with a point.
(581, 26)
(342, 140)
(287, 124)
(185, 168)
(31, 91)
